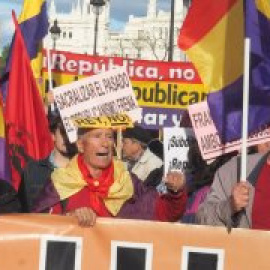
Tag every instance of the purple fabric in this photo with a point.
(4, 165)
(226, 104)
(48, 198)
(34, 30)
(194, 201)
(142, 205)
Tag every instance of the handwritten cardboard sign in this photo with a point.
(105, 94)
(114, 121)
(208, 137)
(176, 146)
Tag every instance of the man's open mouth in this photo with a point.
(102, 154)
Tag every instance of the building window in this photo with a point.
(64, 34)
(70, 34)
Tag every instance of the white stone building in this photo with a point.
(145, 37)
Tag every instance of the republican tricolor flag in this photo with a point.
(34, 25)
(213, 38)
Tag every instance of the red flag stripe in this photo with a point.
(208, 13)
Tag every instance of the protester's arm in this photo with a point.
(148, 204)
(171, 206)
(217, 208)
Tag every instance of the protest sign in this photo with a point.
(176, 144)
(163, 90)
(108, 93)
(207, 135)
(114, 121)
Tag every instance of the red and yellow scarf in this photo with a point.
(114, 186)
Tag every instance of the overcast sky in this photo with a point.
(120, 10)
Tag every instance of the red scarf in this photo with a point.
(261, 203)
(97, 188)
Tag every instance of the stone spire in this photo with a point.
(178, 8)
(78, 8)
(52, 10)
(152, 9)
(72, 8)
(86, 7)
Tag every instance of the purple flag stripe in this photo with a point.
(34, 30)
(4, 166)
(226, 104)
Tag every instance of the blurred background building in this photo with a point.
(144, 37)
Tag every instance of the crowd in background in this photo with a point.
(86, 180)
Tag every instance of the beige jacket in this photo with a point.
(146, 164)
(216, 209)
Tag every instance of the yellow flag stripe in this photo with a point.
(31, 8)
(219, 55)
(264, 7)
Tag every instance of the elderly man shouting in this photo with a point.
(96, 184)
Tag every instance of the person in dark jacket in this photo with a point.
(37, 173)
(9, 202)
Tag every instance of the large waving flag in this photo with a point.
(213, 38)
(34, 25)
(4, 164)
(27, 129)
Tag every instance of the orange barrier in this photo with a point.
(26, 243)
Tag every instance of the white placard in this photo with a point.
(176, 146)
(107, 93)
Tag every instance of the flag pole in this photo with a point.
(243, 172)
(119, 143)
(50, 74)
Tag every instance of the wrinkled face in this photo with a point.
(130, 148)
(97, 148)
(59, 142)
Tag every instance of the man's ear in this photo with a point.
(79, 144)
(53, 137)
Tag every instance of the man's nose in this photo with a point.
(105, 142)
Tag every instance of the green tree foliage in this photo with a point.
(5, 53)
(3, 59)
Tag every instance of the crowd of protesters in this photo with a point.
(86, 180)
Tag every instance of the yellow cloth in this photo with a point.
(68, 181)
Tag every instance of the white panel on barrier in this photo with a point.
(129, 256)
(61, 253)
(194, 258)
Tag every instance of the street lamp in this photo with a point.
(171, 40)
(97, 9)
(55, 32)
